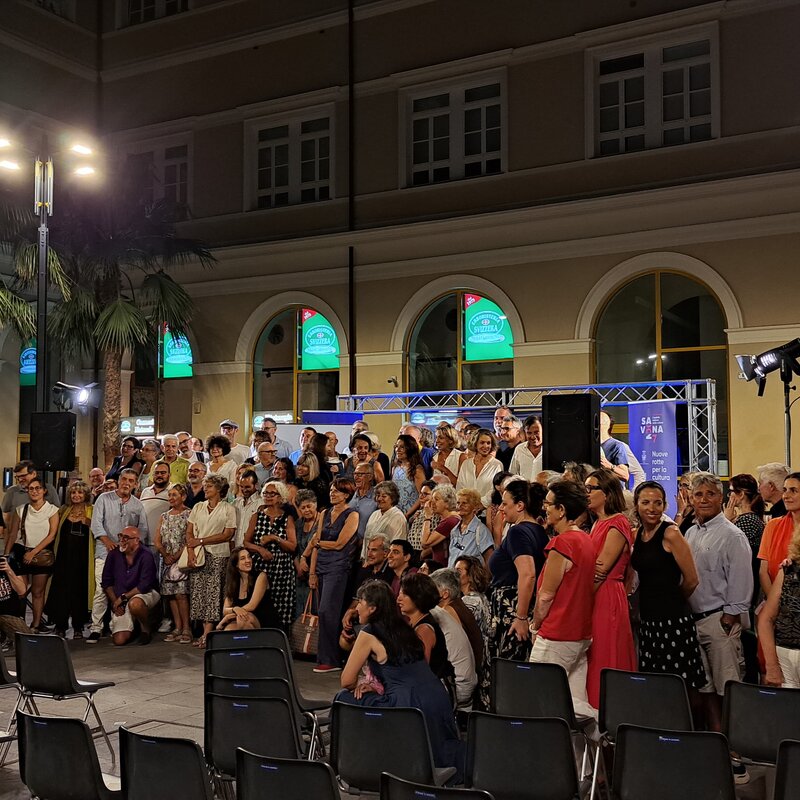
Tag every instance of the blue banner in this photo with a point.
(653, 438)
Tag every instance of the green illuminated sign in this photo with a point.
(487, 334)
(27, 364)
(319, 344)
(176, 356)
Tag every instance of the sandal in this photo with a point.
(201, 643)
(77, 634)
(172, 637)
(185, 637)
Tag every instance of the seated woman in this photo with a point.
(247, 603)
(397, 674)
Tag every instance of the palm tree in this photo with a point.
(111, 270)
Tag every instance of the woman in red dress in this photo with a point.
(612, 639)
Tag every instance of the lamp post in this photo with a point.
(43, 208)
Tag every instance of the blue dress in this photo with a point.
(411, 684)
(409, 494)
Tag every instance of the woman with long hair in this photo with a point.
(128, 458)
(170, 541)
(611, 534)
(387, 667)
(408, 472)
(310, 477)
(477, 472)
(72, 584)
(334, 547)
(448, 458)
(272, 542)
(745, 508)
(667, 578)
(247, 603)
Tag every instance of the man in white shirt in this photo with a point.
(185, 447)
(155, 501)
(527, 458)
(246, 504)
(239, 452)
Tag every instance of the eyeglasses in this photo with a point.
(19, 475)
(272, 452)
(270, 494)
(35, 488)
(594, 488)
(124, 538)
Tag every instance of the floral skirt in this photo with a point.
(206, 586)
(500, 643)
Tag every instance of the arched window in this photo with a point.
(296, 364)
(460, 341)
(665, 326)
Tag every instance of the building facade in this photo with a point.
(612, 183)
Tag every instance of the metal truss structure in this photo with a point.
(699, 397)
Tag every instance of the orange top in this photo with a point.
(775, 543)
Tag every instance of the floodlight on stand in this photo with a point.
(785, 358)
(66, 396)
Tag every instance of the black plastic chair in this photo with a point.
(44, 669)
(8, 680)
(662, 765)
(268, 687)
(525, 689)
(242, 640)
(508, 755)
(162, 768)
(393, 788)
(256, 723)
(756, 719)
(787, 774)
(258, 777)
(58, 760)
(652, 700)
(367, 741)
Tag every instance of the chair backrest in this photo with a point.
(639, 698)
(508, 755)
(662, 765)
(44, 665)
(787, 774)
(256, 687)
(366, 741)
(57, 758)
(243, 640)
(263, 724)
(5, 675)
(162, 768)
(254, 662)
(258, 777)
(756, 719)
(531, 690)
(394, 788)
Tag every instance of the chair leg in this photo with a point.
(596, 766)
(12, 727)
(90, 707)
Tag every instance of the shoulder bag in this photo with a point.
(44, 558)
(305, 630)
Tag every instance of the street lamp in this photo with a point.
(43, 208)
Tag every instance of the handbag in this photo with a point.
(199, 555)
(44, 558)
(305, 631)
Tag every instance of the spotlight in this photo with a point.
(758, 367)
(66, 396)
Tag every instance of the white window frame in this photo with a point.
(456, 161)
(65, 9)
(650, 46)
(158, 148)
(122, 18)
(294, 122)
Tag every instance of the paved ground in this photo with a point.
(159, 689)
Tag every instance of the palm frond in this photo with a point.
(72, 323)
(17, 314)
(120, 326)
(14, 219)
(166, 301)
(26, 263)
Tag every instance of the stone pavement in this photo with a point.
(159, 689)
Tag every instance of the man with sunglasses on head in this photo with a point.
(112, 513)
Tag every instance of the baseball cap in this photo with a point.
(228, 423)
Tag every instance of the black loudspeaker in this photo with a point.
(53, 440)
(570, 430)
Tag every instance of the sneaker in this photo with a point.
(323, 668)
(5, 647)
(93, 638)
(740, 773)
(165, 626)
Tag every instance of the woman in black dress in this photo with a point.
(667, 578)
(128, 458)
(72, 585)
(247, 603)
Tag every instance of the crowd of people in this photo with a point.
(458, 547)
